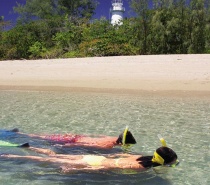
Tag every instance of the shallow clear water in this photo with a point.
(184, 122)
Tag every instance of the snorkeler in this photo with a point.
(82, 140)
(163, 156)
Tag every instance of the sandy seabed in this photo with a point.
(146, 74)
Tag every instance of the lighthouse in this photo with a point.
(117, 12)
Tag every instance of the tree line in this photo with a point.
(64, 28)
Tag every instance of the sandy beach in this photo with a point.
(164, 74)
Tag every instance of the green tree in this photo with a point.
(37, 50)
(100, 38)
(157, 38)
(21, 38)
(75, 8)
(165, 28)
(196, 25)
(207, 27)
(3, 25)
(70, 35)
(182, 14)
(95, 38)
(141, 8)
(47, 9)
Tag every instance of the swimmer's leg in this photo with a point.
(53, 154)
(34, 158)
(43, 151)
(16, 130)
(6, 134)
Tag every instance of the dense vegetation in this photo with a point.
(63, 28)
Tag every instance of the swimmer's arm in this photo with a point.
(91, 144)
(124, 155)
(34, 158)
(43, 151)
(102, 142)
(66, 169)
(120, 155)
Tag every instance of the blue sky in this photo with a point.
(6, 9)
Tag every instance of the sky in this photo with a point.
(6, 9)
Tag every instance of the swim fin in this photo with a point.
(8, 144)
(25, 145)
(14, 130)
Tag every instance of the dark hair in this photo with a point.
(145, 161)
(166, 153)
(129, 139)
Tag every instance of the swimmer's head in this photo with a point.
(126, 138)
(165, 156)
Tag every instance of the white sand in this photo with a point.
(153, 73)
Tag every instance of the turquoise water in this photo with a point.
(184, 122)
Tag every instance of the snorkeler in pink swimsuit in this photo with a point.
(82, 140)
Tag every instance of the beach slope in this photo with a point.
(152, 73)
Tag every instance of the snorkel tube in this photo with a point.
(162, 140)
(124, 135)
(156, 157)
(125, 146)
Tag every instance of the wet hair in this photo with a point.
(166, 153)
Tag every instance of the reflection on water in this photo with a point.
(184, 122)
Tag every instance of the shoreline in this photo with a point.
(182, 75)
(132, 92)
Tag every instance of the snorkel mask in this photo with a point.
(158, 159)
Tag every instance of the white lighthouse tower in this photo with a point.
(117, 12)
